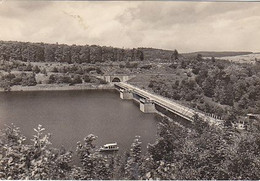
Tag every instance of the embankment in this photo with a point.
(59, 87)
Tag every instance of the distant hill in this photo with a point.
(215, 54)
(249, 58)
(160, 54)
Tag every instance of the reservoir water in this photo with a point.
(71, 115)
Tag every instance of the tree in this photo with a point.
(75, 54)
(41, 154)
(52, 79)
(28, 67)
(77, 79)
(175, 55)
(44, 71)
(39, 52)
(6, 85)
(49, 53)
(13, 159)
(228, 97)
(55, 69)
(134, 160)
(66, 54)
(141, 55)
(93, 163)
(199, 57)
(38, 160)
(36, 69)
(86, 78)
(85, 54)
(58, 54)
(208, 86)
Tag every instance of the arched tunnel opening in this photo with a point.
(116, 79)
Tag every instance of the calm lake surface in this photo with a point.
(71, 115)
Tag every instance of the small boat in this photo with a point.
(109, 147)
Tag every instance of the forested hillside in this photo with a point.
(219, 87)
(42, 52)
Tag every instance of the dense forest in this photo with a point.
(42, 52)
(202, 152)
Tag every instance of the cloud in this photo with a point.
(186, 26)
(195, 26)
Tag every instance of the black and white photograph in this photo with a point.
(129, 90)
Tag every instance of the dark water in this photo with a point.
(71, 115)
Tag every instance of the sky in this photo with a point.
(185, 26)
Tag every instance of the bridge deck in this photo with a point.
(176, 108)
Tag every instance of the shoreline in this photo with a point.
(76, 87)
(60, 87)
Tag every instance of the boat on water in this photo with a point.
(109, 147)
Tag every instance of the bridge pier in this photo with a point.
(147, 106)
(143, 97)
(125, 94)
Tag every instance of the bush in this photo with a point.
(86, 78)
(55, 69)
(29, 81)
(44, 72)
(173, 65)
(131, 65)
(52, 79)
(17, 81)
(28, 67)
(121, 66)
(65, 79)
(196, 70)
(77, 80)
(151, 84)
(146, 67)
(36, 69)
(99, 71)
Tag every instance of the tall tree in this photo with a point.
(175, 55)
(134, 160)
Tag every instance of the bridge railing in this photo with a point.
(161, 101)
(169, 104)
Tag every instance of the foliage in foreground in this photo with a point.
(204, 152)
